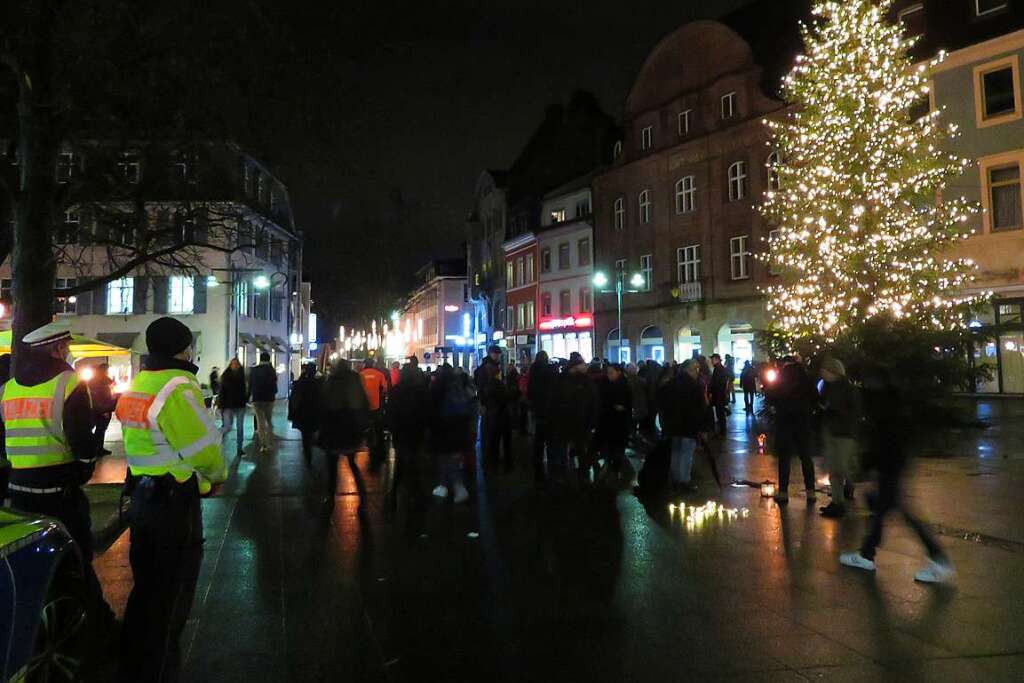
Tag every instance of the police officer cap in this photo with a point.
(50, 333)
(168, 336)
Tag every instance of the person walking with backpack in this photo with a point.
(454, 402)
(343, 420)
(303, 408)
(841, 415)
(748, 382)
(263, 392)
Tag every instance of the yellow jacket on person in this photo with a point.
(167, 429)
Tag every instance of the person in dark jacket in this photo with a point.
(572, 414)
(263, 392)
(56, 489)
(642, 419)
(101, 388)
(616, 418)
(454, 409)
(888, 423)
(303, 408)
(538, 395)
(343, 421)
(748, 382)
(794, 397)
(215, 380)
(682, 405)
(720, 388)
(496, 425)
(841, 415)
(730, 367)
(231, 400)
(408, 413)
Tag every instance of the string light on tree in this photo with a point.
(862, 223)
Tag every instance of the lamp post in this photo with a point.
(636, 281)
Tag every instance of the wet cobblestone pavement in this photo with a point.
(588, 584)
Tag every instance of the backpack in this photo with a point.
(459, 401)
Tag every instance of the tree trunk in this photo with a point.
(32, 261)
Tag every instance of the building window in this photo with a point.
(773, 239)
(689, 263)
(772, 168)
(261, 187)
(242, 298)
(621, 265)
(986, 7)
(531, 273)
(646, 138)
(185, 167)
(545, 260)
(529, 315)
(65, 304)
(545, 304)
(684, 122)
(120, 296)
(520, 271)
(558, 215)
(564, 260)
(737, 181)
(586, 304)
(583, 208)
(728, 105)
(647, 271)
(645, 207)
(69, 229)
(617, 149)
(521, 317)
(620, 213)
(66, 162)
(583, 251)
(997, 92)
(912, 18)
(510, 275)
(182, 294)
(686, 194)
(510, 318)
(565, 303)
(739, 257)
(1005, 197)
(129, 167)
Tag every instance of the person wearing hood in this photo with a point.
(51, 462)
(174, 456)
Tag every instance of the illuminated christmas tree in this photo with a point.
(862, 223)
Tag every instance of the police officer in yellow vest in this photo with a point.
(174, 455)
(48, 423)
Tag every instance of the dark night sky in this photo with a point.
(417, 98)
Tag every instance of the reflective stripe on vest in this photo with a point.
(138, 410)
(34, 422)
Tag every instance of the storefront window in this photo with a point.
(1012, 362)
(985, 356)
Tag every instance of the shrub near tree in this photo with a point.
(862, 221)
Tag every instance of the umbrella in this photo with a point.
(81, 346)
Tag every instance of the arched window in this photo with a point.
(772, 166)
(620, 213)
(686, 194)
(617, 150)
(645, 206)
(737, 181)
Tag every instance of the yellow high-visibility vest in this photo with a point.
(34, 422)
(167, 429)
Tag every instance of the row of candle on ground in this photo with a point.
(698, 514)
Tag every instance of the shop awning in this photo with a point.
(278, 344)
(244, 338)
(262, 341)
(125, 340)
(81, 347)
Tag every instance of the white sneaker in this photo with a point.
(461, 494)
(441, 491)
(935, 572)
(857, 560)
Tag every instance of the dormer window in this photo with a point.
(129, 167)
(185, 167)
(646, 138)
(984, 8)
(684, 122)
(728, 105)
(67, 165)
(617, 150)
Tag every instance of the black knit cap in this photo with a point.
(167, 336)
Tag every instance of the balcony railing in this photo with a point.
(688, 292)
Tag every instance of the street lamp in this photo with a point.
(637, 283)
